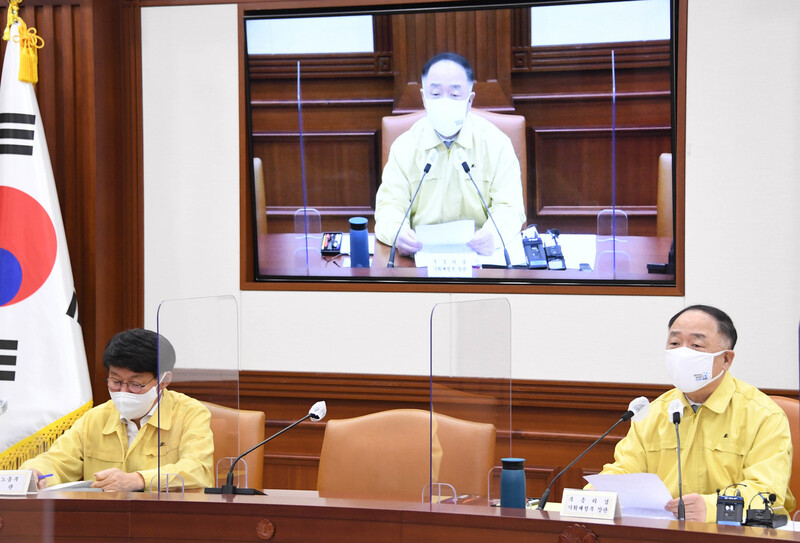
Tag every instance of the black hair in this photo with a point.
(724, 323)
(453, 57)
(141, 351)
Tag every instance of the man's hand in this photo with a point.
(483, 242)
(694, 506)
(116, 480)
(40, 483)
(407, 242)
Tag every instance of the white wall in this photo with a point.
(742, 221)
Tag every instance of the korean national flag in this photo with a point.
(44, 379)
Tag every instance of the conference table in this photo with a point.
(284, 256)
(304, 517)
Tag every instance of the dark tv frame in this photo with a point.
(251, 280)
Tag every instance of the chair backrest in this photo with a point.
(791, 407)
(260, 195)
(511, 125)
(386, 455)
(664, 196)
(229, 444)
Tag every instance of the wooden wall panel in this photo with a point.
(337, 183)
(553, 421)
(574, 172)
(481, 36)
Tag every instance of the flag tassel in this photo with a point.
(37, 443)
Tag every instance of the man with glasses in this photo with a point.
(446, 193)
(118, 444)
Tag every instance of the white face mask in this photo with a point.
(134, 406)
(446, 115)
(691, 370)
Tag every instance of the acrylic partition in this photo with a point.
(470, 384)
(201, 360)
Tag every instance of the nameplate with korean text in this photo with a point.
(590, 504)
(17, 482)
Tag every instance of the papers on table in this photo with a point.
(83, 486)
(448, 238)
(640, 494)
(451, 239)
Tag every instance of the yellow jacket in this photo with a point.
(99, 440)
(738, 435)
(447, 194)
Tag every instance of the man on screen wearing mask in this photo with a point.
(116, 444)
(447, 194)
(731, 432)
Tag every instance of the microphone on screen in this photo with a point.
(461, 157)
(430, 162)
(317, 412)
(675, 411)
(637, 410)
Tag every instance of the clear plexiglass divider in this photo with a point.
(470, 385)
(198, 358)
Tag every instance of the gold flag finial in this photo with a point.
(11, 17)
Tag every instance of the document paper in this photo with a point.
(445, 239)
(640, 494)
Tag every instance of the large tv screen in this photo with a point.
(579, 188)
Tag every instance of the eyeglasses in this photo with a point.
(115, 385)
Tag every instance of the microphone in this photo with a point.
(461, 156)
(675, 411)
(637, 410)
(317, 412)
(430, 162)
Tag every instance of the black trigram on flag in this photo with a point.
(16, 140)
(8, 359)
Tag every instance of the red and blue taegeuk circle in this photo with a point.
(28, 245)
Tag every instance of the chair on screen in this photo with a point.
(664, 196)
(791, 407)
(260, 196)
(511, 125)
(386, 455)
(228, 443)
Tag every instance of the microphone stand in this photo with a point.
(425, 170)
(229, 487)
(465, 165)
(676, 418)
(543, 500)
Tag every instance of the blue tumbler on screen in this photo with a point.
(512, 483)
(359, 243)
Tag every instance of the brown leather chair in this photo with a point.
(386, 455)
(511, 125)
(228, 443)
(664, 197)
(260, 196)
(791, 407)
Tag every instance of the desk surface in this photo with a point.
(282, 255)
(296, 516)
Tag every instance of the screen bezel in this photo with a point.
(250, 278)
